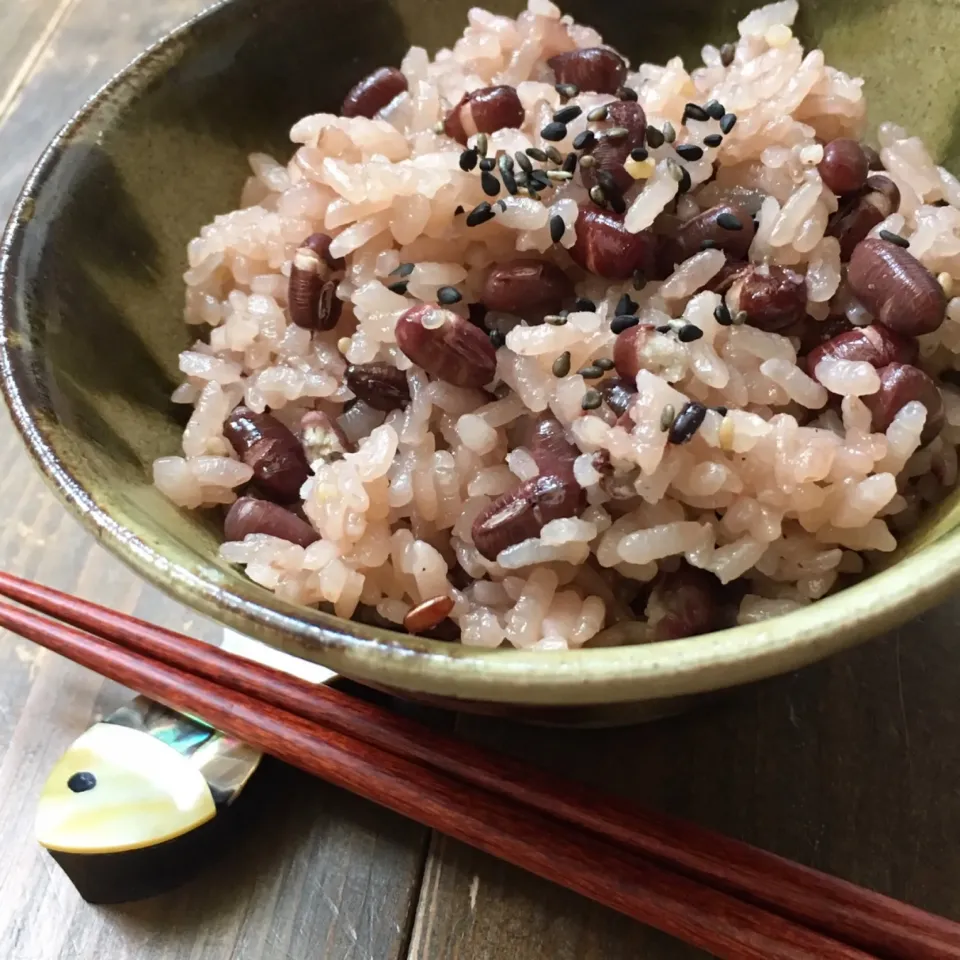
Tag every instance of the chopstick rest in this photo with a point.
(142, 801)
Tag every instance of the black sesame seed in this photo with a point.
(561, 366)
(727, 52)
(559, 176)
(587, 161)
(722, 410)
(535, 153)
(490, 184)
(584, 140)
(554, 154)
(606, 180)
(669, 133)
(714, 109)
(557, 228)
(616, 134)
(728, 122)
(448, 295)
(892, 237)
(604, 363)
(665, 328)
(540, 179)
(566, 114)
(597, 114)
(713, 140)
(708, 244)
(639, 154)
(404, 270)
(729, 221)
(740, 318)
(459, 210)
(617, 203)
(598, 196)
(593, 372)
(625, 322)
(688, 422)
(523, 161)
(569, 163)
(567, 90)
(591, 400)
(688, 333)
(487, 164)
(689, 151)
(554, 131)
(468, 159)
(505, 163)
(639, 280)
(667, 415)
(685, 182)
(399, 287)
(722, 315)
(502, 204)
(626, 304)
(693, 111)
(81, 782)
(582, 304)
(555, 319)
(497, 338)
(627, 93)
(482, 144)
(654, 138)
(481, 213)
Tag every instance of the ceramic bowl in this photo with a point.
(91, 301)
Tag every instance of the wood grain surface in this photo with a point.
(851, 766)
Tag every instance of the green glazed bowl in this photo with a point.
(91, 296)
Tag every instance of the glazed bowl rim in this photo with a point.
(577, 677)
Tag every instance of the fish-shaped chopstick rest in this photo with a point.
(141, 802)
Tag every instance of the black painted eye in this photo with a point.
(81, 782)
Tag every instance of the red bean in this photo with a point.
(319, 243)
(626, 350)
(373, 93)
(684, 604)
(248, 515)
(378, 385)
(858, 215)
(311, 294)
(617, 393)
(901, 383)
(844, 166)
(610, 155)
(447, 346)
(428, 615)
(527, 288)
(896, 288)
(875, 345)
(773, 297)
(593, 68)
(523, 513)
(321, 437)
(271, 450)
(691, 235)
(550, 448)
(723, 281)
(606, 248)
(484, 111)
(873, 158)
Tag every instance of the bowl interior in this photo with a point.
(92, 291)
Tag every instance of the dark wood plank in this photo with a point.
(849, 766)
(322, 874)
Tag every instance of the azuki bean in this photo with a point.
(484, 111)
(311, 294)
(373, 93)
(690, 236)
(858, 215)
(729, 272)
(873, 158)
(447, 346)
(896, 288)
(844, 166)
(684, 604)
(593, 68)
(321, 437)
(523, 513)
(550, 448)
(605, 247)
(378, 385)
(618, 394)
(428, 615)
(899, 384)
(875, 345)
(610, 155)
(319, 243)
(271, 450)
(626, 350)
(248, 515)
(773, 297)
(527, 288)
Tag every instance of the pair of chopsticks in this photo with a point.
(723, 896)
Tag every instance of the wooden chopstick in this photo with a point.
(842, 910)
(698, 914)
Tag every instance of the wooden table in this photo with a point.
(851, 766)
